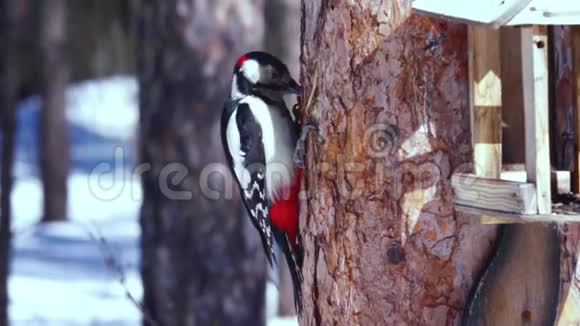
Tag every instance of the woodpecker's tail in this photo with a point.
(294, 258)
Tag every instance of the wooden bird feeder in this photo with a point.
(496, 195)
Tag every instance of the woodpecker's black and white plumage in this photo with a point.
(260, 135)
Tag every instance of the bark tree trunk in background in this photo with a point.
(383, 244)
(14, 24)
(283, 40)
(54, 132)
(202, 262)
(7, 134)
(101, 38)
(283, 37)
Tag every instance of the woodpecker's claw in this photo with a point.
(300, 151)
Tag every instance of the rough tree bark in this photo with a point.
(283, 40)
(202, 263)
(383, 244)
(54, 158)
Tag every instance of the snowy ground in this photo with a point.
(59, 271)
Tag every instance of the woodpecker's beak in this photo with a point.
(294, 87)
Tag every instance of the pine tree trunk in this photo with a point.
(383, 244)
(202, 263)
(101, 38)
(14, 22)
(54, 133)
(7, 135)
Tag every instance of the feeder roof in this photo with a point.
(499, 13)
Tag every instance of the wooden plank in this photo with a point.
(488, 216)
(576, 102)
(494, 194)
(560, 182)
(535, 83)
(560, 179)
(485, 98)
(517, 176)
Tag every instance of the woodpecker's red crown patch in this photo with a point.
(241, 60)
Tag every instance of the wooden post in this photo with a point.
(485, 100)
(535, 80)
(576, 102)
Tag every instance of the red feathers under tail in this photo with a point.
(284, 212)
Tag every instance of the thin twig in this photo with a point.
(112, 263)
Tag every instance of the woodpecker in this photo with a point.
(260, 136)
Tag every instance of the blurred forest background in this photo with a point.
(97, 99)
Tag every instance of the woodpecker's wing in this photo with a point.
(245, 150)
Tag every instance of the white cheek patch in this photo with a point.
(251, 70)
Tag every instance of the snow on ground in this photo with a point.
(59, 274)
